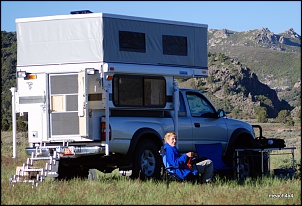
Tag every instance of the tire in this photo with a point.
(257, 161)
(245, 162)
(147, 161)
(246, 165)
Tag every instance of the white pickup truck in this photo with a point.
(100, 92)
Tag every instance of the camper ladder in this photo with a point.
(30, 174)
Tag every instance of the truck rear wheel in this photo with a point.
(147, 161)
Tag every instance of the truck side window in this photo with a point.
(139, 91)
(199, 106)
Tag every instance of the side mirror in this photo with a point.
(221, 113)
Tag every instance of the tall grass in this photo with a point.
(122, 191)
(118, 190)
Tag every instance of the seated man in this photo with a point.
(174, 158)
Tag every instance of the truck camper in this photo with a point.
(100, 92)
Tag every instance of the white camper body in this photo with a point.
(63, 63)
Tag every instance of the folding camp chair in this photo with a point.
(214, 153)
(169, 172)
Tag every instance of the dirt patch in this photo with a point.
(5, 161)
(8, 161)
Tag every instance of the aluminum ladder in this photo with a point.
(29, 174)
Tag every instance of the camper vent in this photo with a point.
(81, 12)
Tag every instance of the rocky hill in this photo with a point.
(236, 89)
(274, 58)
(287, 41)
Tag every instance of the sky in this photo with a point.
(277, 16)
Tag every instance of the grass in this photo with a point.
(118, 190)
(114, 189)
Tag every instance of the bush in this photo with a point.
(284, 117)
(4, 125)
(261, 113)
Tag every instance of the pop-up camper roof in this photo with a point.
(100, 37)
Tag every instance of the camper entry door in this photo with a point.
(68, 113)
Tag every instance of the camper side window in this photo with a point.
(139, 91)
(132, 41)
(175, 45)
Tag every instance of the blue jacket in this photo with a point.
(174, 158)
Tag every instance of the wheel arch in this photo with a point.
(144, 133)
(240, 137)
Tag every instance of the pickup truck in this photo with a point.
(137, 135)
(199, 122)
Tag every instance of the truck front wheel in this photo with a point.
(147, 161)
(246, 165)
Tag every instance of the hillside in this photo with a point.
(237, 89)
(275, 58)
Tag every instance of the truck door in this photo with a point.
(185, 137)
(207, 128)
(68, 112)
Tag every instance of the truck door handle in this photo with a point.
(196, 124)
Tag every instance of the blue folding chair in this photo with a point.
(214, 153)
(170, 173)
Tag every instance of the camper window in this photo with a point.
(132, 41)
(175, 45)
(139, 91)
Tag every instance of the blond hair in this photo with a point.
(169, 135)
